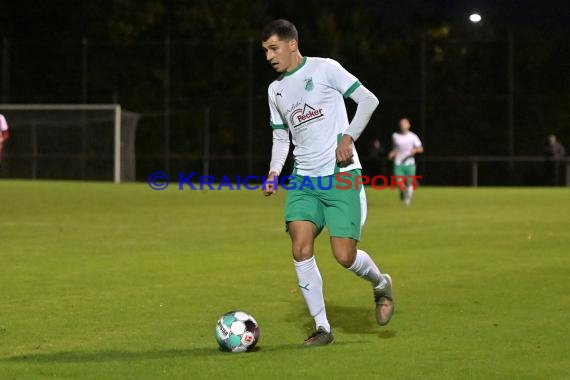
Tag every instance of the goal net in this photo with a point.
(58, 141)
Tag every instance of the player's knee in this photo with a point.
(345, 259)
(302, 252)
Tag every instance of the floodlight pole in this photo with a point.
(5, 70)
(84, 70)
(166, 103)
(250, 74)
(206, 140)
(511, 96)
(423, 85)
(83, 101)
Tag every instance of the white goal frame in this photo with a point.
(116, 108)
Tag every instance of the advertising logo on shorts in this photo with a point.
(305, 115)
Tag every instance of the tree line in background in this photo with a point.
(186, 58)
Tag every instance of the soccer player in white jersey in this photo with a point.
(406, 145)
(306, 101)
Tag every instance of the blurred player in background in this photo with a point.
(306, 100)
(556, 153)
(406, 145)
(4, 135)
(376, 160)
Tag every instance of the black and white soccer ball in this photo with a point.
(237, 331)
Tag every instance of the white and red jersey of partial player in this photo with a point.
(3, 127)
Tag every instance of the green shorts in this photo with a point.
(405, 171)
(343, 211)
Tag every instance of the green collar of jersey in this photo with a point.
(296, 68)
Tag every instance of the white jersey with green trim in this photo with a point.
(308, 101)
(404, 145)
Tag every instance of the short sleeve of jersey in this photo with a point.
(3, 123)
(417, 142)
(275, 119)
(340, 79)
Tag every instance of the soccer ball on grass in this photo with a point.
(237, 331)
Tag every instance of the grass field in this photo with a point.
(103, 281)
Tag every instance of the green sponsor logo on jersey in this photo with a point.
(309, 84)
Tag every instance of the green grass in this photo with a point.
(103, 281)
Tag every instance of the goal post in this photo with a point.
(70, 141)
(117, 146)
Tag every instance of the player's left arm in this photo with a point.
(348, 85)
(367, 103)
(418, 147)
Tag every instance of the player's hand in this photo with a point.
(270, 187)
(391, 155)
(344, 151)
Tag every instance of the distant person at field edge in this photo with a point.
(556, 153)
(4, 135)
(405, 145)
(376, 149)
(376, 161)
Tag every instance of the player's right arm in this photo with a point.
(280, 148)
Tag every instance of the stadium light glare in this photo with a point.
(475, 17)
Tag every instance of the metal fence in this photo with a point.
(203, 104)
(496, 171)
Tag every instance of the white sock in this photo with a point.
(311, 285)
(410, 192)
(364, 267)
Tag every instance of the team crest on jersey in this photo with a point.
(305, 115)
(309, 84)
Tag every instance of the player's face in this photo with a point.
(405, 125)
(279, 53)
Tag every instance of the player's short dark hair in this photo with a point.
(283, 29)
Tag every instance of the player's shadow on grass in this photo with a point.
(353, 320)
(108, 355)
(117, 355)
